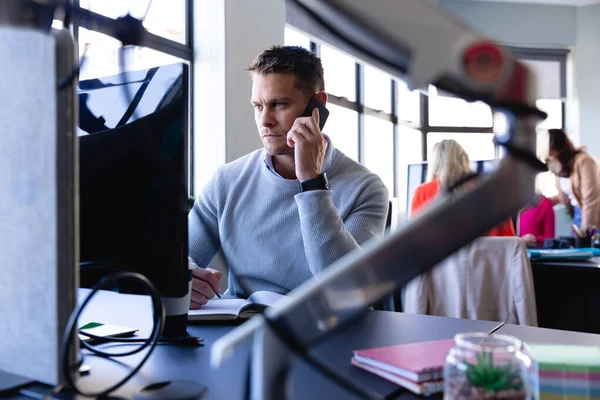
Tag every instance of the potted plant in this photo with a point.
(486, 367)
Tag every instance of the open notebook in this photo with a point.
(232, 308)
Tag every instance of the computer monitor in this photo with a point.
(417, 175)
(133, 180)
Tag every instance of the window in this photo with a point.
(340, 73)
(378, 121)
(452, 111)
(408, 104)
(100, 52)
(545, 182)
(409, 149)
(379, 150)
(342, 128)
(553, 107)
(166, 18)
(378, 89)
(364, 122)
(294, 38)
(103, 55)
(479, 146)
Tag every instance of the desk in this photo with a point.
(567, 294)
(376, 328)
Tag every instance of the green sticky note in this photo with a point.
(566, 357)
(91, 325)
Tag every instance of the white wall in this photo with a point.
(518, 24)
(587, 74)
(228, 35)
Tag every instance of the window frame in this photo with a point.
(423, 125)
(363, 110)
(185, 52)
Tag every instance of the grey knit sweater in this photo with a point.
(274, 237)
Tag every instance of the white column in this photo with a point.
(587, 62)
(228, 34)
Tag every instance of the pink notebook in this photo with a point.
(418, 362)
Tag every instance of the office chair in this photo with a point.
(489, 279)
(393, 302)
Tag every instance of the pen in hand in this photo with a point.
(194, 267)
(214, 290)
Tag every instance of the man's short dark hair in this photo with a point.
(304, 64)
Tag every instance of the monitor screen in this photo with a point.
(417, 174)
(133, 175)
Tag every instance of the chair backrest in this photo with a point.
(488, 279)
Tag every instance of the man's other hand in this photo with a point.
(205, 283)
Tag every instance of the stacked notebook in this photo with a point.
(418, 367)
(567, 372)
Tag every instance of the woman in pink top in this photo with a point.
(537, 223)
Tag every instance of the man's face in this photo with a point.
(277, 103)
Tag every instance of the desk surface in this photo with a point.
(376, 328)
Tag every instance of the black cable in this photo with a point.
(300, 350)
(179, 341)
(71, 330)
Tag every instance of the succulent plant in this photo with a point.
(485, 375)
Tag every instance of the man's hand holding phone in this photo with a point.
(309, 146)
(205, 285)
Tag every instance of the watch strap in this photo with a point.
(319, 183)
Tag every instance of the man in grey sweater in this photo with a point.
(283, 213)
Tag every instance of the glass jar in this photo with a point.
(482, 366)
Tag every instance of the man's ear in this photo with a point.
(322, 97)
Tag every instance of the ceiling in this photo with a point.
(578, 3)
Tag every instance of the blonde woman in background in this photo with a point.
(449, 165)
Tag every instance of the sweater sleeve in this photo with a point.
(590, 194)
(326, 237)
(203, 227)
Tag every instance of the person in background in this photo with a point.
(449, 165)
(577, 179)
(536, 223)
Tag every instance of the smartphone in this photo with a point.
(98, 329)
(323, 111)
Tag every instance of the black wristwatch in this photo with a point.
(318, 183)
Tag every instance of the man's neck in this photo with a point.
(285, 166)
